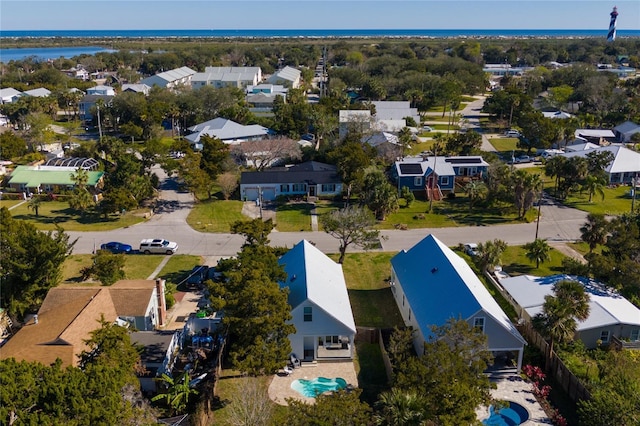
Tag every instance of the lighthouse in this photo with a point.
(611, 36)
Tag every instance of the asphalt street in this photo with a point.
(558, 223)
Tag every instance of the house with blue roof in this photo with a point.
(431, 285)
(320, 307)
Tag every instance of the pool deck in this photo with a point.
(516, 389)
(280, 387)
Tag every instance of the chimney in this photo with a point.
(162, 303)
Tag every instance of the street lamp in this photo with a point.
(539, 207)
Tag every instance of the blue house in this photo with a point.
(437, 174)
(431, 284)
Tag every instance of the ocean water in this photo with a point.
(302, 33)
(45, 53)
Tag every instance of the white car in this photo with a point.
(158, 246)
(471, 249)
(426, 128)
(512, 134)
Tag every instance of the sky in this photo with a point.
(314, 14)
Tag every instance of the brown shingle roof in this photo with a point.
(69, 314)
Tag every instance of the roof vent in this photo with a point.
(293, 277)
(434, 270)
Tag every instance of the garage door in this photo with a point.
(251, 194)
(268, 194)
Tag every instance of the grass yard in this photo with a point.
(449, 213)
(366, 271)
(505, 145)
(293, 217)
(9, 203)
(178, 267)
(515, 262)
(229, 388)
(52, 213)
(136, 266)
(417, 147)
(372, 376)
(616, 201)
(215, 215)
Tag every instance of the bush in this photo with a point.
(419, 216)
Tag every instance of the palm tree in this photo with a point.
(177, 393)
(400, 407)
(490, 252)
(537, 251)
(595, 230)
(562, 310)
(475, 190)
(34, 204)
(594, 184)
(404, 137)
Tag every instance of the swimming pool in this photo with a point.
(512, 415)
(317, 386)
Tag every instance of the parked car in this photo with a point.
(426, 128)
(158, 246)
(512, 134)
(214, 275)
(471, 249)
(197, 276)
(116, 247)
(524, 159)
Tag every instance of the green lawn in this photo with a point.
(215, 215)
(448, 213)
(505, 145)
(366, 271)
(52, 213)
(9, 203)
(293, 217)
(372, 376)
(616, 201)
(136, 267)
(417, 147)
(515, 262)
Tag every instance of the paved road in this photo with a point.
(558, 223)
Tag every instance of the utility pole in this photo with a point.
(433, 178)
(539, 207)
(634, 190)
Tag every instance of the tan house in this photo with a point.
(69, 314)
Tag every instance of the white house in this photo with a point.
(239, 77)
(623, 168)
(40, 92)
(599, 136)
(101, 90)
(227, 131)
(625, 130)
(394, 111)
(556, 115)
(287, 76)
(431, 284)
(609, 315)
(9, 94)
(171, 79)
(320, 307)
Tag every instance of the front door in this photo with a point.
(309, 348)
(312, 190)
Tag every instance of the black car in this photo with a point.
(116, 247)
(197, 276)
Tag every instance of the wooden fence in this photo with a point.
(555, 367)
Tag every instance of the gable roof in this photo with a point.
(67, 316)
(627, 127)
(226, 130)
(174, 74)
(313, 276)
(286, 73)
(440, 285)
(419, 166)
(607, 307)
(380, 138)
(40, 92)
(624, 159)
(137, 88)
(395, 110)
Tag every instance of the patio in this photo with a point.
(515, 388)
(280, 387)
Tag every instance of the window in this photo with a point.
(417, 181)
(308, 314)
(284, 188)
(299, 187)
(478, 323)
(604, 336)
(409, 314)
(328, 187)
(444, 181)
(403, 300)
(635, 335)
